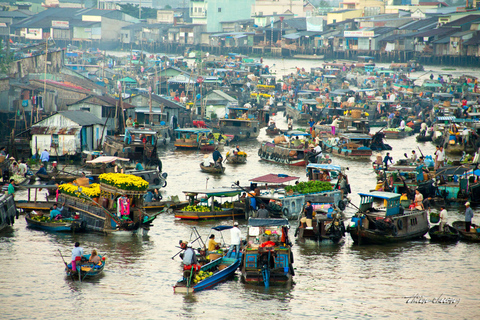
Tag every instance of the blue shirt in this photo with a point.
(42, 170)
(139, 166)
(54, 213)
(45, 156)
(468, 214)
(216, 155)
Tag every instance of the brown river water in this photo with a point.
(333, 282)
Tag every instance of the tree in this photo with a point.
(6, 57)
(133, 10)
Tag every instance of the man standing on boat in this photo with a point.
(76, 252)
(386, 160)
(44, 157)
(217, 158)
(235, 238)
(468, 216)
(443, 219)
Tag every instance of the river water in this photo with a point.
(344, 281)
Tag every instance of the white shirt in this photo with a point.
(335, 123)
(317, 149)
(423, 126)
(77, 252)
(444, 215)
(235, 236)
(441, 155)
(402, 124)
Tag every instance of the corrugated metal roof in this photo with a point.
(82, 118)
(53, 130)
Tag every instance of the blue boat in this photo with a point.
(216, 271)
(63, 225)
(348, 145)
(85, 269)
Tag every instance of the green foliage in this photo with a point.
(310, 187)
(6, 57)
(167, 7)
(133, 10)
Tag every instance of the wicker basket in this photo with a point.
(356, 114)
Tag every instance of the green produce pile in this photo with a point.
(200, 209)
(407, 129)
(45, 219)
(310, 187)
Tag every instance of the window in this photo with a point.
(106, 112)
(85, 109)
(334, 20)
(54, 143)
(219, 9)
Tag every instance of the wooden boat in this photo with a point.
(236, 157)
(424, 137)
(65, 177)
(212, 169)
(293, 153)
(194, 138)
(85, 269)
(452, 236)
(101, 214)
(235, 124)
(8, 211)
(131, 146)
(325, 228)
(221, 269)
(173, 204)
(63, 225)
(206, 208)
(351, 146)
(473, 235)
(273, 132)
(387, 223)
(267, 258)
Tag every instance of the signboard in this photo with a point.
(3, 24)
(34, 33)
(60, 24)
(314, 24)
(359, 34)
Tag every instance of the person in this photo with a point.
(206, 161)
(235, 237)
(42, 169)
(318, 151)
(11, 188)
(129, 122)
(94, 257)
(262, 212)
(217, 158)
(311, 123)
(290, 123)
(148, 197)
(190, 261)
(44, 157)
(413, 158)
(156, 195)
(418, 200)
(22, 168)
(3, 152)
(437, 152)
(308, 215)
(54, 167)
(138, 166)
(212, 245)
(386, 160)
(468, 216)
(402, 125)
(343, 184)
(404, 197)
(423, 128)
(76, 252)
(443, 219)
(440, 157)
(55, 212)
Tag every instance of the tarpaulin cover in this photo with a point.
(259, 222)
(274, 178)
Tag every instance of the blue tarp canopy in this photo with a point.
(260, 222)
(193, 130)
(293, 133)
(221, 228)
(321, 166)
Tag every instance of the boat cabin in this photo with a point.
(136, 144)
(194, 138)
(242, 123)
(387, 201)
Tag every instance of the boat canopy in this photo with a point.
(380, 195)
(322, 166)
(356, 136)
(293, 133)
(192, 130)
(221, 228)
(274, 178)
(221, 192)
(454, 170)
(261, 222)
(106, 159)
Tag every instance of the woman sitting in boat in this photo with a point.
(212, 245)
(94, 257)
(56, 213)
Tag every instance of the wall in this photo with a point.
(342, 16)
(67, 144)
(21, 68)
(269, 7)
(96, 110)
(111, 29)
(230, 11)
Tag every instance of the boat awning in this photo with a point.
(221, 228)
(274, 178)
(221, 192)
(291, 36)
(446, 118)
(293, 133)
(453, 170)
(106, 159)
(322, 166)
(355, 136)
(381, 195)
(193, 130)
(260, 222)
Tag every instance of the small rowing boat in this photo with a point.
(451, 236)
(43, 222)
(473, 235)
(212, 169)
(85, 269)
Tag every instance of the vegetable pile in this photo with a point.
(310, 187)
(200, 209)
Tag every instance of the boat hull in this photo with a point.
(212, 169)
(193, 215)
(452, 236)
(466, 236)
(52, 226)
(216, 278)
(295, 163)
